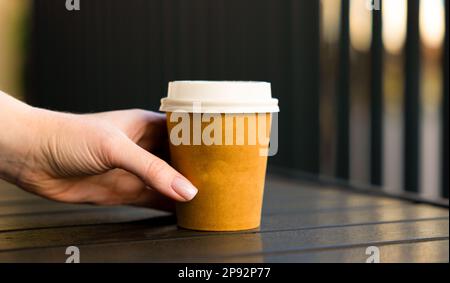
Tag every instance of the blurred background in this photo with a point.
(363, 92)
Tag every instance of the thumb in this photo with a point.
(153, 171)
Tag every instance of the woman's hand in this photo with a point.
(104, 158)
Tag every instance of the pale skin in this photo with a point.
(108, 158)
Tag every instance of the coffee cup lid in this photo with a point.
(219, 97)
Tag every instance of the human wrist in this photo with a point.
(19, 132)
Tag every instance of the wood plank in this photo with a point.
(163, 226)
(9, 192)
(279, 206)
(82, 215)
(255, 245)
(270, 220)
(420, 252)
(360, 216)
(30, 226)
(273, 204)
(78, 218)
(280, 201)
(281, 196)
(42, 206)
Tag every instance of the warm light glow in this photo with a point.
(330, 20)
(13, 15)
(394, 14)
(432, 22)
(360, 25)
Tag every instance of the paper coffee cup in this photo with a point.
(219, 134)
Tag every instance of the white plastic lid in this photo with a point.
(219, 97)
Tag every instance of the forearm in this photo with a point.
(102, 158)
(18, 133)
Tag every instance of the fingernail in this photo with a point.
(184, 188)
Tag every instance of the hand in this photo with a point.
(105, 158)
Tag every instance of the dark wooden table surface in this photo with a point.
(302, 222)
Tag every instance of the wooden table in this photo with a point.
(302, 222)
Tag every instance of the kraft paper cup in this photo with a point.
(230, 172)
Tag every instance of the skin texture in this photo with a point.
(108, 158)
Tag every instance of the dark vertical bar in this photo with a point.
(153, 55)
(279, 72)
(200, 33)
(412, 100)
(343, 96)
(216, 40)
(170, 40)
(255, 63)
(185, 39)
(305, 81)
(445, 141)
(235, 24)
(376, 99)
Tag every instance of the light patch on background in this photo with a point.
(330, 20)
(12, 20)
(394, 16)
(430, 130)
(361, 41)
(360, 25)
(432, 32)
(432, 22)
